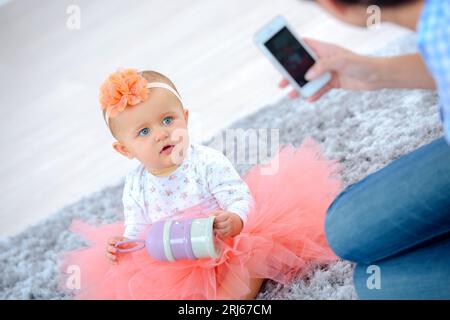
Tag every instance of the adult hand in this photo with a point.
(358, 72)
(348, 69)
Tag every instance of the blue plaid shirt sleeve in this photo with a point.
(433, 39)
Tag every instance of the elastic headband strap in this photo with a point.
(164, 86)
(152, 85)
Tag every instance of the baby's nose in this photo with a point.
(161, 135)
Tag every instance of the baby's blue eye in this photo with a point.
(144, 132)
(167, 120)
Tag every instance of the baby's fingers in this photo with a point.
(113, 240)
(221, 224)
(112, 258)
(223, 232)
(222, 227)
(112, 249)
(216, 213)
(221, 218)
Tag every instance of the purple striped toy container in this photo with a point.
(172, 240)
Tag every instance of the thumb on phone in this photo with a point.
(322, 66)
(313, 72)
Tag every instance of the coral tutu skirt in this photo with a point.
(282, 238)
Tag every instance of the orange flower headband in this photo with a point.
(126, 88)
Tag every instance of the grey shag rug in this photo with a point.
(364, 131)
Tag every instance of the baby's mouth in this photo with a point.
(167, 149)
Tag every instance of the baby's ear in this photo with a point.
(186, 114)
(120, 148)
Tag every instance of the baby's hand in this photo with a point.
(227, 224)
(111, 250)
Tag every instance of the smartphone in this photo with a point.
(290, 55)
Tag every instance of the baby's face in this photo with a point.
(153, 131)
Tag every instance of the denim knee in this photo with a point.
(338, 234)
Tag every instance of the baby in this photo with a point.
(271, 225)
(146, 116)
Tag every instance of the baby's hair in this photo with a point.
(150, 76)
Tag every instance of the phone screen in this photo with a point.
(291, 54)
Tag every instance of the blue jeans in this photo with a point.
(395, 224)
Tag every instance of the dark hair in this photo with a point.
(380, 3)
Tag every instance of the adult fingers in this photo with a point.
(293, 94)
(320, 93)
(283, 83)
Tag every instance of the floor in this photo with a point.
(50, 75)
